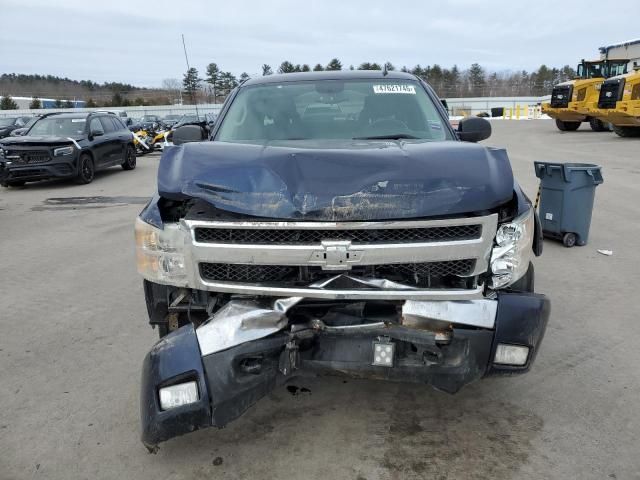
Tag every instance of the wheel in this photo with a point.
(86, 170)
(567, 126)
(129, 158)
(569, 239)
(627, 131)
(14, 183)
(597, 125)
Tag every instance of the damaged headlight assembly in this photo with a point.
(513, 251)
(160, 253)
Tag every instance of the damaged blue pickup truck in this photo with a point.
(331, 223)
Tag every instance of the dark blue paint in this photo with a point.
(174, 359)
(339, 179)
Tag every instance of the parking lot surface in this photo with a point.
(74, 332)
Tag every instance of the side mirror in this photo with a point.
(97, 133)
(474, 129)
(188, 133)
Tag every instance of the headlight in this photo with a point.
(513, 251)
(160, 253)
(59, 152)
(1, 153)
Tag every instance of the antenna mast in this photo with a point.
(193, 99)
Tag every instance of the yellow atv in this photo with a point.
(142, 141)
(619, 103)
(573, 102)
(161, 139)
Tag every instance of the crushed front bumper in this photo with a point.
(229, 381)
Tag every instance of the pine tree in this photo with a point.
(286, 67)
(213, 79)
(7, 103)
(318, 68)
(334, 64)
(191, 83)
(369, 66)
(266, 70)
(116, 100)
(244, 76)
(35, 103)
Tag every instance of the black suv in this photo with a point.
(66, 145)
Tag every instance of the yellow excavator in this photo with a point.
(571, 101)
(619, 103)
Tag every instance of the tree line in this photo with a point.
(474, 81)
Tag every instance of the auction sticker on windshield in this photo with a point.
(389, 88)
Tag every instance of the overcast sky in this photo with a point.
(139, 42)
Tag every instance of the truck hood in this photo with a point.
(40, 140)
(339, 180)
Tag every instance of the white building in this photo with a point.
(623, 50)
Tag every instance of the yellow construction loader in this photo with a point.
(619, 103)
(571, 101)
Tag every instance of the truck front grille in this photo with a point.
(561, 96)
(313, 236)
(413, 274)
(611, 92)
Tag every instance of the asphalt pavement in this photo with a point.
(73, 333)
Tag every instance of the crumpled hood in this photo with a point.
(337, 180)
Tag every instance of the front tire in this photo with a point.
(567, 126)
(129, 162)
(627, 131)
(597, 125)
(86, 169)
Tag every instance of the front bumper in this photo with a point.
(569, 114)
(626, 114)
(60, 167)
(230, 381)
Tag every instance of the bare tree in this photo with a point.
(174, 87)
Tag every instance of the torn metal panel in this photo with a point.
(352, 281)
(338, 180)
(241, 321)
(423, 314)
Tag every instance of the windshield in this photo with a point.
(332, 109)
(591, 70)
(6, 122)
(59, 127)
(617, 68)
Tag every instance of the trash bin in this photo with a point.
(567, 191)
(497, 112)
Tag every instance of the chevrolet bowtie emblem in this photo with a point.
(336, 255)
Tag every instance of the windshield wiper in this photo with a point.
(393, 136)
